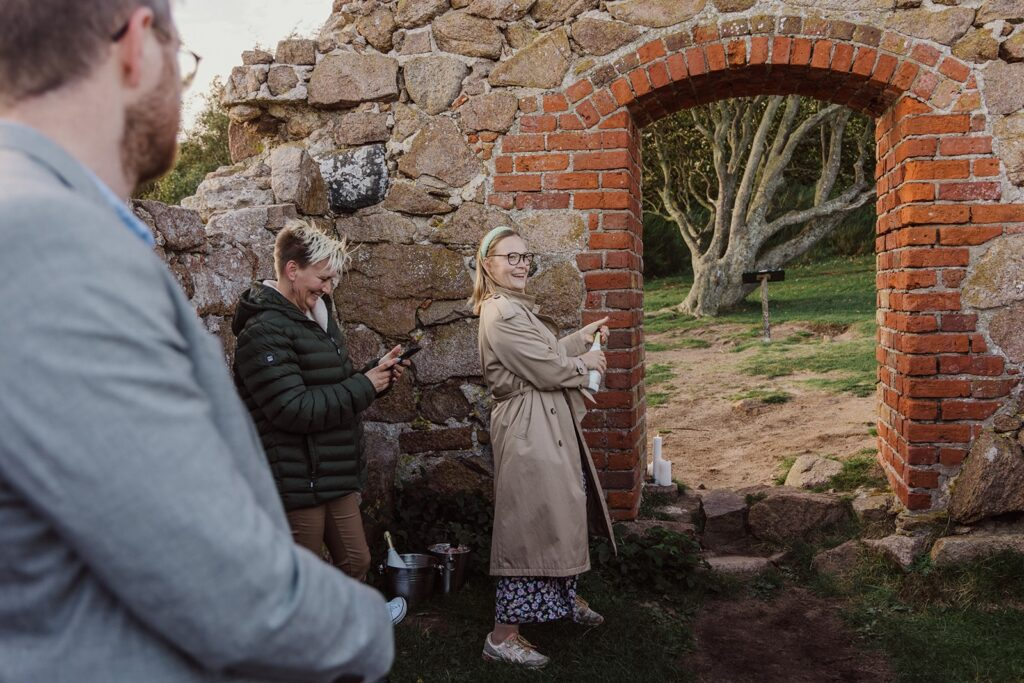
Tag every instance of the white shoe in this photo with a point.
(515, 650)
(397, 608)
(582, 614)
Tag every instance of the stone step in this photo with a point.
(740, 565)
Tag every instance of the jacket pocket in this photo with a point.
(311, 455)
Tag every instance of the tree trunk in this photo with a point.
(716, 286)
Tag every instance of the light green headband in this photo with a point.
(486, 244)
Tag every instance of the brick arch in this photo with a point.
(939, 192)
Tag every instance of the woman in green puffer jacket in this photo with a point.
(293, 371)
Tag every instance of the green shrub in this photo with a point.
(660, 558)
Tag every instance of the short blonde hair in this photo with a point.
(483, 283)
(303, 243)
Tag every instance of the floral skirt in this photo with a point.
(534, 599)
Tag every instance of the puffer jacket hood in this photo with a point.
(261, 296)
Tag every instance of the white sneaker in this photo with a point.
(582, 614)
(397, 608)
(515, 650)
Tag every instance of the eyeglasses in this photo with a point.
(188, 61)
(515, 258)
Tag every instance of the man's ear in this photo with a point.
(131, 49)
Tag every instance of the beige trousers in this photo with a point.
(339, 525)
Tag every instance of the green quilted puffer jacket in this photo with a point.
(299, 386)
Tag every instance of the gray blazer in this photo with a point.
(141, 536)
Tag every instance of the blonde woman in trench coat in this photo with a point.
(547, 494)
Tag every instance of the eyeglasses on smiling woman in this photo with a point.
(515, 258)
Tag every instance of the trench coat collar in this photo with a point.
(523, 298)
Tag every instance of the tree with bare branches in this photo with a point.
(752, 184)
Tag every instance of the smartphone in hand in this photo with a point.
(410, 352)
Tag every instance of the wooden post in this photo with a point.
(764, 310)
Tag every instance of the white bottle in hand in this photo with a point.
(394, 559)
(595, 376)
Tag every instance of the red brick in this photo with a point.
(780, 50)
(821, 54)
(504, 164)
(990, 366)
(504, 201)
(522, 143)
(657, 73)
(935, 125)
(952, 277)
(917, 501)
(542, 162)
(905, 75)
(542, 123)
(604, 102)
(542, 201)
(925, 84)
(676, 64)
(800, 53)
(705, 34)
(933, 258)
(968, 410)
(527, 105)
(574, 122)
(651, 51)
(926, 54)
(937, 388)
(918, 147)
(991, 388)
(737, 53)
(621, 91)
(957, 322)
(571, 181)
(915, 237)
(922, 479)
(842, 58)
(758, 50)
(695, 63)
(955, 69)
(588, 261)
(715, 54)
(919, 410)
(517, 183)
(611, 240)
(864, 62)
(589, 113)
(942, 170)
(617, 180)
(986, 168)
(601, 161)
(933, 343)
(884, 70)
(970, 235)
(951, 457)
(615, 139)
(578, 90)
(638, 79)
(969, 191)
(913, 279)
(943, 433)
(998, 213)
(956, 146)
(911, 323)
(612, 199)
(921, 455)
(915, 365)
(573, 141)
(617, 280)
(620, 120)
(915, 192)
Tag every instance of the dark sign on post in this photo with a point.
(764, 277)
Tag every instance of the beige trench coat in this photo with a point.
(541, 513)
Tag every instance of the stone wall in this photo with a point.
(412, 127)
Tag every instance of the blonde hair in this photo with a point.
(301, 242)
(483, 283)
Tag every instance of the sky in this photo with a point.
(219, 30)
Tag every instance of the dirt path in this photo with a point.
(795, 637)
(717, 441)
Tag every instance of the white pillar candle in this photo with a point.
(663, 473)
(657, 449)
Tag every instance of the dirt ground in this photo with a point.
(716, 443)
(795, 637)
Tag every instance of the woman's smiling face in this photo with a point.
(506, 275)
(310, 283)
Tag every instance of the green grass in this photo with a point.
(687, 343)
(658, 373)
(840, 291)
(949, 624)
(770, 396)
(641, 639)
(657, 398)
(853, 359)
(785, 465)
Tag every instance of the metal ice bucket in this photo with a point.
(415, 582)
(452, 563)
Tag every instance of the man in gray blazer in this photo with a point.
(141, 536)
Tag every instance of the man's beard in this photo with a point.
(150, 142)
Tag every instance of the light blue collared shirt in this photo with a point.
(130, 220)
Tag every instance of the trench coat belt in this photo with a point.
(512, 394)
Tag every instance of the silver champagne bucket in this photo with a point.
(452, 562)
(415, 582)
